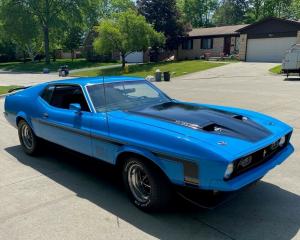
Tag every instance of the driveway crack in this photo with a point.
(215, 228)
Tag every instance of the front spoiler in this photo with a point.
(208, 199)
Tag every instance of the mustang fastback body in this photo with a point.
(196, 145)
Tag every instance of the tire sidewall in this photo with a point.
(31, 151)
(128, 163)
(161, 190)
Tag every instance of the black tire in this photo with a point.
(159, 195)
(31, 143)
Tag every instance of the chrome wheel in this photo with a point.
(139, 183)
(27, 136)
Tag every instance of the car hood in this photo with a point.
(206, 120)
(231, 132)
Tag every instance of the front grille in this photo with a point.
(257, 158)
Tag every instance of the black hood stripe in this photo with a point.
(206, 119)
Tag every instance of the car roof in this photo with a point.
(94, 80)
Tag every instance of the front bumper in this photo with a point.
(251, 175)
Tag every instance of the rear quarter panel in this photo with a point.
(23, 104)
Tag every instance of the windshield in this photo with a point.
(125, 95)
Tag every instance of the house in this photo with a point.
(215, 42)
(137, 57)
(263, 41)
(61, 54)
(268, 40)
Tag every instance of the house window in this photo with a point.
(187, 44)
(206, 43)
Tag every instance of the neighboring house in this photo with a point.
(137, 57)
(263, 41)
(215, 42)
(61, 54)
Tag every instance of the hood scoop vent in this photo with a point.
(213, 127)
(240, 117)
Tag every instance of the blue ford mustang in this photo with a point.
(158, 142)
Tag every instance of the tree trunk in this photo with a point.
(72, 54)
(46, 31)
(24, 57)
(123, 61)
(54, 56)
(46, 43)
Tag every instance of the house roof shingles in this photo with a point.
(215, 31)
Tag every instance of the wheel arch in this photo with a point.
(147, 156)
(22, 116)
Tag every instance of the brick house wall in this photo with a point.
(298, 37)
(197, 52)
(243, 47)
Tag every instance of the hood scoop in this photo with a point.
(206, 119)
(213, 127)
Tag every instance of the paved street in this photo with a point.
(25, 79)
(8, 78)
(61, 196)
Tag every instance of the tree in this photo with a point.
(276, 8)
(231, 12)
(127, 32)
(295, 9)
(254, 12)
(259, 9)
(49, 14)
(197, 12)
(96, 10)
(21, 27)
(73, 39)
(165, 17)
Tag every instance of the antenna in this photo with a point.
(104, 91)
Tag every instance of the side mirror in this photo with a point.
(75, 106)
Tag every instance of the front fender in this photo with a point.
(172, 169)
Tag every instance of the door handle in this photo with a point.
(45, 115)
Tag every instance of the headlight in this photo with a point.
(282, 141)
(229, 170)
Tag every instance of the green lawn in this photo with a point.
(175, 68)
(5, 89)
(276, 69)
(38, 67)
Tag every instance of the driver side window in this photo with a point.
(61, 96)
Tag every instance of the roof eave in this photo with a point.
(267, 19)
(215, 35)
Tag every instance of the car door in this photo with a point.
(103, 146)
(61, 125)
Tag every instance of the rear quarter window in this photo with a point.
(47, 93)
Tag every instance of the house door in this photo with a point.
(227, 45)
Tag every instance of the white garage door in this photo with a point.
(135, 57)
(268, 49)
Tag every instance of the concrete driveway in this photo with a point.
(62, 196)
